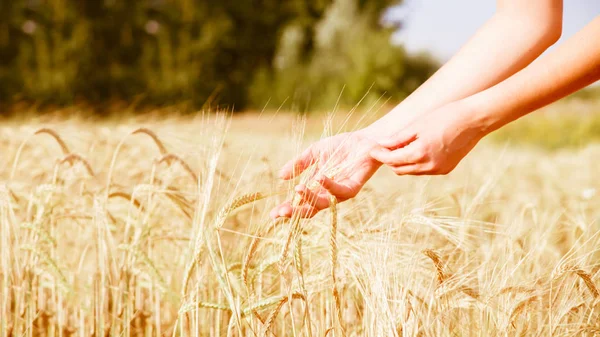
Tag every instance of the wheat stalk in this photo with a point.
(184, 205)
(252, 250)
(294, 230)
(572, 310)
(220, 221)
(334, 260)
(300, 268)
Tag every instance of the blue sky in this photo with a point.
(442, 26)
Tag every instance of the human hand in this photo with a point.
(341, 166)
(432, 144)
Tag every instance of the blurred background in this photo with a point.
(240, 55)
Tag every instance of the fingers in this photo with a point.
(297, 165)
(400, 157)
(409, 160)
(340, 191)
(411, 170)
(282, 211)
(397, 141)
(286, 210)
(319, 201)
(307, 206)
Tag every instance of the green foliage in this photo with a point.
(353, 61)
(40, 50)
(162, 52)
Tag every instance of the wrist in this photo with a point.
(481, 114)
(389, 124)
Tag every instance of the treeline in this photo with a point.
(229, 53)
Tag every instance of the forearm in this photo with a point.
(571, 67)
(508, 42)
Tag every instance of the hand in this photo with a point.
(342, 165)
(432, 144)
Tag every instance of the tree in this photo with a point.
(353, 60)
(169, 51)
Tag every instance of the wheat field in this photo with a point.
(142, 228)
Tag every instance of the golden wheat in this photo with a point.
(179, 257)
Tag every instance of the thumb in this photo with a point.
(297, 165)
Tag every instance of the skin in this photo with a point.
(431, 131)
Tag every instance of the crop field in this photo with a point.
(155, 227)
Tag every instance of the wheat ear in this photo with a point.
(54, 134)
(520, 307)
(61, 143)
(170, 158)
(271, 318)
(237, 203)
(437, 262)
(587, 279)
(151, 134)
(71, 158)
(583, 275)
(514, 289)
(589, 329)
(220, 221)
(127, 197)
(263, 266)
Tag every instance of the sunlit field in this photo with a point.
(150, 227)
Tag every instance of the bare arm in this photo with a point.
(571, 67)
(516, 35)
(437, 141)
